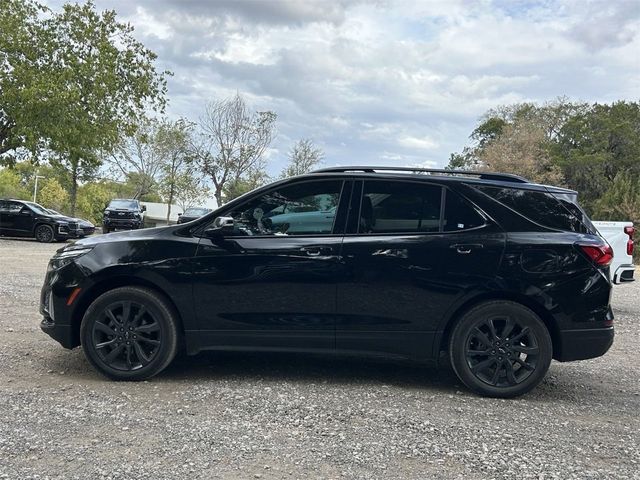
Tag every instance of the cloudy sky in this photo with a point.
(387, 82)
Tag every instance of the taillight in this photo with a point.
(629, 231)
(601, 255)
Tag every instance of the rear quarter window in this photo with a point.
(539, 207)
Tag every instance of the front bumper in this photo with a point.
(584, 343)
(63, 334)
(62, 231)
(127, 223)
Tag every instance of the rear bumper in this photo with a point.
(624, 274)
(584, 343)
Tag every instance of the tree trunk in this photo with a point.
(171, 193)
(74, 187)
(218, 195)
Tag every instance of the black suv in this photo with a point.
(123, 213)
(488, 271)
(20, 218)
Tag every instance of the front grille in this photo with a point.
(117, 214)
(73, 225)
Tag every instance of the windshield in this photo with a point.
(192, 212)
(37, 208)
(128, 204)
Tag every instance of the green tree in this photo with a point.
(190, 190)
(53, 195)
(93, 198)
(78, 83)
(11, 185)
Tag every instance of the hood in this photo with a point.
(128, 235)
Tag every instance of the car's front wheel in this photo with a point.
(129, 333)
(500, 349)
(44, 234)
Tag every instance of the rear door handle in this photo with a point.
(465, 248)
(316, 251)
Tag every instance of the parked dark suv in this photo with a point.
(495, 274)
(123, 213)
(20, 218)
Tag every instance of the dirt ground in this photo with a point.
(294, 416)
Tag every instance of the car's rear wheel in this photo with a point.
(500, 349)
(44, 234)
(129, 333)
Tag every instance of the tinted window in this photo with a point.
(397, 207)
(10, 207)
(127, 204)
(301, 209)
(459, 215)
(540, 207)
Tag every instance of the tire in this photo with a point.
(137, 348)
(484, 356)
(44, 234)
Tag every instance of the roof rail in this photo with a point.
(505, 177)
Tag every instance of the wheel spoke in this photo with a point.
(136, 320)
(522, 333)
(511, 378)
(113, 354)
(106, 344)
(480, 335)
(482, 365)
(126, 311)
(478, 352)
(129, 364)
(524, 364)
(524, 349)
(149, 328)
(101, 327)
(112, 317)
(144, 359)
(150, 341)
(508, 327)
(492, 328)
(496, 374)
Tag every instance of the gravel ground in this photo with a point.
(292, 416)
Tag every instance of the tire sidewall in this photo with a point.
(526, 317)
(161, 311)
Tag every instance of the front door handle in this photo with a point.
(466, 248)
(316, 251)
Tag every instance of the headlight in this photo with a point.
(67, 256)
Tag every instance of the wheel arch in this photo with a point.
(442, 343)
(111, 283)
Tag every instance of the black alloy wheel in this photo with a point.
(500, 349)
(129, 333)
(126, 335)
(44, 233)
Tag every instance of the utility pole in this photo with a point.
(35, 187)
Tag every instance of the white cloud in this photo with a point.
(392, 80)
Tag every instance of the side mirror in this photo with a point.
(143, 208)
(25, 211)
(221, 226)
(179, 214)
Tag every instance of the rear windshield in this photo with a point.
(543, 208)
(128, 204)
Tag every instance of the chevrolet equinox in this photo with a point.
(487, 271)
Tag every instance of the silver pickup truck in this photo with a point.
(620, 237)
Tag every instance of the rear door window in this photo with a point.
(539, 207)
(459, 214)
(399, 207)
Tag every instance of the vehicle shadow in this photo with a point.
(311, 368)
